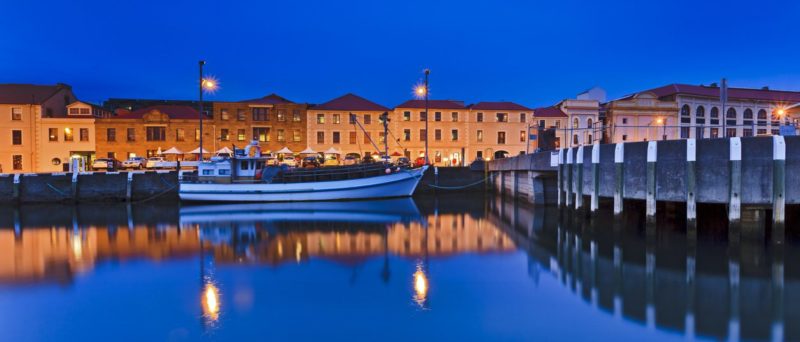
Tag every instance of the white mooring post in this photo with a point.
(778, 179)
(619, 174)
(595, 177)
(691, 180)
(560, 177)
(652, 156)
(579, 181)
(568, 177)
(735, 195)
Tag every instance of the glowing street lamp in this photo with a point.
(421, 91)
(209, 85)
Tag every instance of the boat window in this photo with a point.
(243, 165)
(224, 172)
(259, 165)
(208, 172)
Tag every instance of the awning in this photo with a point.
(332, 150)
(285, 150)
(225, 150)
(197, 151)
(172, 150)
(396, 154)
(308, 150)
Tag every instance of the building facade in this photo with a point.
(330, 125)
(272, 120)
(37, 133)
(448, 130)
(499, 129)
(681, 111)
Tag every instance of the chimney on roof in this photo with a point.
(714, 85)
(765, 88)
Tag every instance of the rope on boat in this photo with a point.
(458, 187)
(56, 190)
(156, 195)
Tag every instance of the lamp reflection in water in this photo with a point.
(421, 287)
(210, 300)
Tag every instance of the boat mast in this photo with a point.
(385, 118)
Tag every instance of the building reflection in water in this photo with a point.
(704, 286)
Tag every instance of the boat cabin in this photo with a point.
(244, 165)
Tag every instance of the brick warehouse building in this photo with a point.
(272, 120)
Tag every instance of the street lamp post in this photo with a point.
(202, 83)
(427, 72)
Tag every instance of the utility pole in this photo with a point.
(385, 118)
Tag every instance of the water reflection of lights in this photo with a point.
(77, 246)
(211, 302)
(420, 287)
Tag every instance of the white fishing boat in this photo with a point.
(246, 177)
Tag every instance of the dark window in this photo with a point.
(156, 133)
(17, 162)
(748, 113)
(685, 111)
(16, 113)
(762, 114)
(84, 134)
(502, 117)
(240, 115)
(437, 116)
(367, 119)
(131, 133)
(224, 135)
(52, 134)
(700, 112)
(437, 134)
(260, 114)
(16, 137)
(454, 116)
(714, 112)
(522, 117)
(320, 137)
(336, 137)
(353, 138)
(479, 117)
(423, 116)
(422, 135)
(501, 137)
(180, 134)
(406, 135)
(454, 135)
(296, 115)
(111, 134)
(406, 116)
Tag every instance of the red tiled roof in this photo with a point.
(433, 104)
(503, 105)
(173, 111)
(549, 112)
(269, 99)
(733, 93)
(28, 93)
(350, 102)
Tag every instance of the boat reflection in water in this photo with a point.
(432, 253)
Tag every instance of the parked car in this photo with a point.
(367, 159)
(310, 162)
(152, 162)
(106, 164)
(331, 160)
(134, 163)
(403, 161)
(351, 159)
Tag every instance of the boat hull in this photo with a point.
(397, 184)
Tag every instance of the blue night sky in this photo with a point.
(531, 52)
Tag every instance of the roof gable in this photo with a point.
(549, 112)
(29, 93)
(350, 102)
(269, 99)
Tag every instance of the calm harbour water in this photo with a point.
(443, 268)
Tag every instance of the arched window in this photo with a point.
(715, 112)
(762, 114)
(732, 113)
(748, 113)
(700, 112)
(685, 110)
(589, 122)
(56, 161)
(576, 123)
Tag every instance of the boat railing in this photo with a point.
(332, 173)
